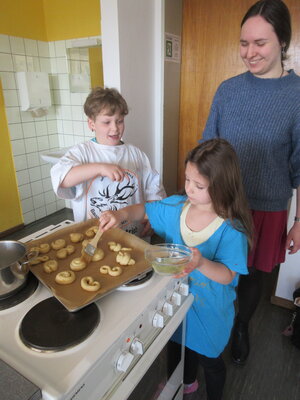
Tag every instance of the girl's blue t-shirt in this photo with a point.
(210, 319)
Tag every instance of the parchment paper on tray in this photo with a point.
(72, 296)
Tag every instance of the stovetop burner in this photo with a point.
(50, 327)
(26, 291)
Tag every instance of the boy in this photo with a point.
(105, 173)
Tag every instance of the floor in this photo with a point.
(273, 368)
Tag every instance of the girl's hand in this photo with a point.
(110, 219)
(293, 239)
(196, 261)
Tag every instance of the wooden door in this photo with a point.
(210, 54)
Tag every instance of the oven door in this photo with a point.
(159, 373)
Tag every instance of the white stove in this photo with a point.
(134, 327)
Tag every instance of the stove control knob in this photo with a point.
(168, 309)
(137, 347)
(183, 289)
(158, 320)
(176, 299)
(124, 361)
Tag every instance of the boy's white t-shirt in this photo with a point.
(89, 199)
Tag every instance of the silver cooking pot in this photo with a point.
(14, 266)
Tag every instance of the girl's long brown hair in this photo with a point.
(217, 161)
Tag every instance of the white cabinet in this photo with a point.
(289, 272)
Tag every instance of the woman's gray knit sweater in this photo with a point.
(261, 119)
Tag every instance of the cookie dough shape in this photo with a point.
(58, 244)
(77, 264)
(124, 258)
(98, 255)
(38, 260)
(65, 277)
(62, 253)
(112, 271)
(76, 237)
(50, 266)
(114, 246)
(91, 232)
(89, 284)
(44, 248)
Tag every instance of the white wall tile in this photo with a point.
(35, 174)
(51, 208)
(62, 65)
(75, 99)
(78, 113)
(46, 170)
(52, 49)
(31, 145)
(52, 127)
(17, 45)
(63, 81)
(68, 127)
(20, 63)
(36, 188)
(65, 97)
(43, 49)
(60, 204)
(4, 44)
(69, 141)
(27, 205)
(28, 217)
(60, 48)
(78, 128)
(43, 143)
(15, 131)
(26, 116)
(33, 160)
(38, 201)
(66, 112)
(41, 128)
(6, 62)
(13, 115)
(11, 98)
(8, 80)
(20, 162)
(45, 64)
(17, 147)
(50, 197)
(22, 177)
(53, 141)
(31, 48)
(29, 130)
(25, 191)
(47, 185)
(40, 212)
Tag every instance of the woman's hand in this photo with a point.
(196, 261)
(293, 239)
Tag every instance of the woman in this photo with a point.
(258, 112)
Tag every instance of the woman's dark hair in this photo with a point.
(276, 13)
(217, 161)
(104, 99)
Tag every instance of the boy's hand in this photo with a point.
(110, 219)
(112, 171)
(193, 264)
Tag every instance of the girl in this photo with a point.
(258, 112)
(212, 217)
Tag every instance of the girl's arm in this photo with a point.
(85, 172)
(112, 219)
(212, 270)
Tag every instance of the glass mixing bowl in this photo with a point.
(168, 258)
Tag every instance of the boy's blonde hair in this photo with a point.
(107, 99)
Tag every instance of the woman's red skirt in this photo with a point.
(270, 233)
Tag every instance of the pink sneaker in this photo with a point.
(191, 388)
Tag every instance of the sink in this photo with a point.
(53, 156)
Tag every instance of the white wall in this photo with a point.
(132, 45)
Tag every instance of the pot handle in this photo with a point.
(30, 255)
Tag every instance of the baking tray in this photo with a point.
(72, 296)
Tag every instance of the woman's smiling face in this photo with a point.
(260, 48)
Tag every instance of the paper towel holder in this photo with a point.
(34, 92)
